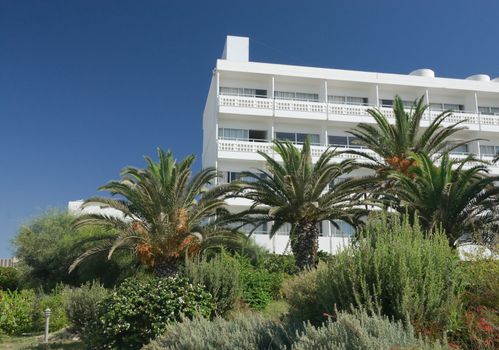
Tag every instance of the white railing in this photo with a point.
(300, 106)
(348, 109)
(344, 109)
(244, 146)
(245, 102)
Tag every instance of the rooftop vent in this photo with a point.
(424, 72)
(479, 77)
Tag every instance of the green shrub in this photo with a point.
(359, 331)
(16, 311)
(9, 278)
(81, 305)
(398, 270)
(219, 276)
(278, 263)
(244, 332)
(481, 282)
(258, 286)
(301, 293)
(140, 309)
(55, 302)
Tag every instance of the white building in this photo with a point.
(251, 103)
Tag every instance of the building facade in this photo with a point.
(251, 103)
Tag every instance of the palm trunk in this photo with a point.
(166, 268)
(304, 244)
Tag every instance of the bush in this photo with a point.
(278, 263)
(219, 276)
(53, 301)
(481, 282)
(258, 286)
(244, 332)
(397, 270)
(81, 305)
(301, 293)
(359, 331)
(16, 311)
(9, 278)
(140, 309)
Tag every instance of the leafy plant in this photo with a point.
(219, 276)
(258, 286)
(398, 270)
(53, 301)
(81, 305)
(16, 311)
(9, 278)
(243, 332)
(140, 309)
(361, 331)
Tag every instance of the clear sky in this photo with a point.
(88, 87)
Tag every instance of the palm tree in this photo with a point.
(302, 194)
(164, 212)
(454, 195)
(394, 144)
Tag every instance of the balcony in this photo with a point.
(250, 105)
(248, 150)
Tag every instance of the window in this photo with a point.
(349, 100)
(344, 141)
(489, 110)
(345, 229)
(242, 134)
(389, 103)
(243, 92)
(446, 107)
(237, 175)
(463, 149)
(489, 150)
(299, 96)
(297, 137)
(233, 134)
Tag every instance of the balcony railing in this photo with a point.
(344, 109)
(266, 147)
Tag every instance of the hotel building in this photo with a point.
(251, 103)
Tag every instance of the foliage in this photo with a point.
(301, 292)
(453, 196)
(479, 323)
(140, 309)
(219, 276)
(16, 311)
(81, 305)
(360, 331)
(9, 278)
(47, 245)
(165, 212)
(244, 332)
(398, 270)
(301, 193)
(396, 142)
(53, 301)
(258, 285)
(278, 263)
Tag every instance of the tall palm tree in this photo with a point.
(300, 193)
(394, 144)
(455, 195)
(164, 212)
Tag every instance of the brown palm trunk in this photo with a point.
(304, 244)
(166, 268)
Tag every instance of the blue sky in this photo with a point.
(88, 87)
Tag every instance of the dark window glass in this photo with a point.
(285, 136)
(338, 140)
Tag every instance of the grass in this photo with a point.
(60, 340)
